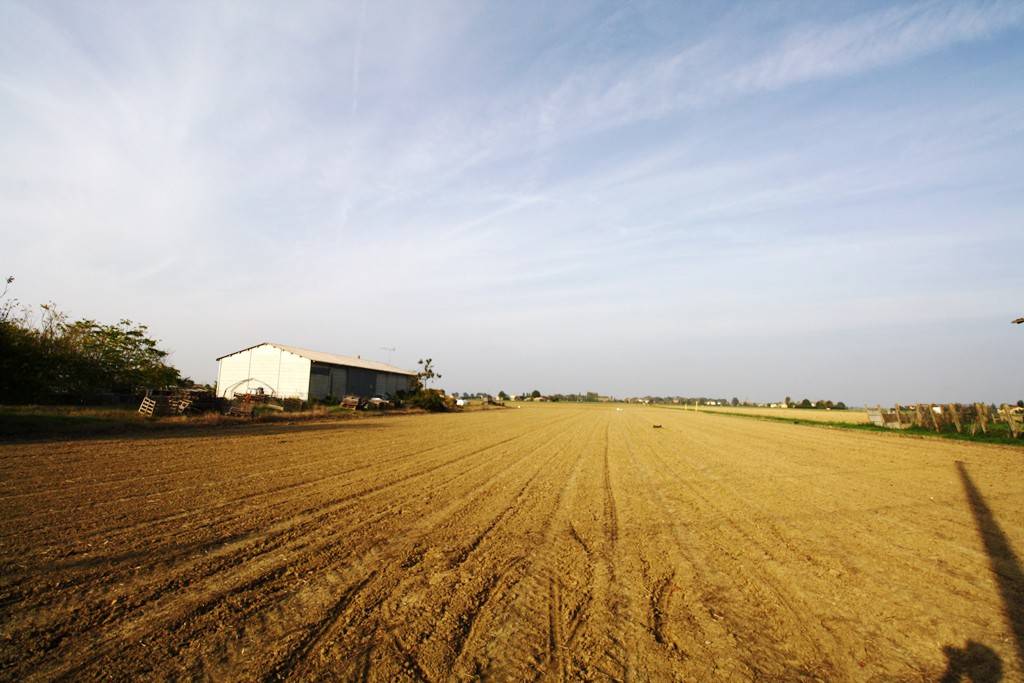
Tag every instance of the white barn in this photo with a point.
(291, 372)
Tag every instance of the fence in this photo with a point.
(178, 402)
(971, 419)
(156, 406)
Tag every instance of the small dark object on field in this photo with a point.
(657, 426)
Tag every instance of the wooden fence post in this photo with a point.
(1014, 421)
(982, 411)
(954, 413)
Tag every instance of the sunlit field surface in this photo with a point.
(544, 542)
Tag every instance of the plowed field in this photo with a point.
(853, 415)
(548, 542)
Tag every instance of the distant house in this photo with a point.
(293, 372)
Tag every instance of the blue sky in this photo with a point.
(815, 199)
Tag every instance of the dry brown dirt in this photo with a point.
(853, 415)
(547, 542)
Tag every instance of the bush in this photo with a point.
(429, 400)
(292, 405)
(81, 361)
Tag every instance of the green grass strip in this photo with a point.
(998, 433)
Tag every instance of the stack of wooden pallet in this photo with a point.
(157, 406)
(1014, 419)
(242, 408)
(972, 419)
(177, 402)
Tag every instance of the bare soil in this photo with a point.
(546, 542)
(853, 415)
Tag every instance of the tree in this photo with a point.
(806, 404)
(502, 395)
(788, 400)
(120, 356)
(431, 400)
(427, 373)
(735, 401)
(54, 359)
(535, 394)
(8, 307)
(840, 406)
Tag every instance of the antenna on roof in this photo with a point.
(390, 350)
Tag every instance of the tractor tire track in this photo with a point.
(548, 542)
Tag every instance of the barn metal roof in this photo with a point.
(330, 358)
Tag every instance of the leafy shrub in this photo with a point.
(429, 400)
(56, 359)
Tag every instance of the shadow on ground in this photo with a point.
(33, 429)
(976, 662)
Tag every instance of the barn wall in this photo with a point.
(338, 382)
(232, 374)
(288, 375)
(276, 371)
(319, 381)
(264, 368)
(389, 384)
(220, 381)
(361, 382)
(398, 383)
(294, 377)
(334, 381)
(381, 388)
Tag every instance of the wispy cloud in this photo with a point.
(357, 57)
(725, 66)
(602, 178)
(874, 40)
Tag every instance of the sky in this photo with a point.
(820, 199)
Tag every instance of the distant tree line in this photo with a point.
(593, 397)
(818, 404)
(53, 359)
(690, 400)
(736, 402)
(590, 396)
(587, 397)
